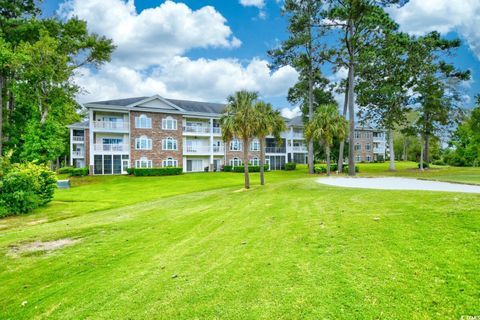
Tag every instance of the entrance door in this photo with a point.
(194, 165)
(124, 166)
(216, 164)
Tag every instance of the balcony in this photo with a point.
(111, 148)
(196, 129)
(217, 130)
(275, 150)
(379, 150)
(297, 135)
(78, 139)
(219, 149)
(78, 154)
(300, 149)
(196, 150)
(111, 125)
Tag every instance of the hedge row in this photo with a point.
(322, 168)
(165, 171)
(290, 166)
(242, 168)
(75, 172)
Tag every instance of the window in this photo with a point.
(358, 159)
(235, 145)
(169, 162)
(255, 161)
(369, 158)
(143, 143)
(368, 147)
(235, 162)
(143, 122)
(358, 135)
(112, 141)
(143, 163)
(169, 144)
(358, 147)
(255, 145)
(169, 124)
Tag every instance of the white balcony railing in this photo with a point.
(78, 154)
(299, 149)
(78, 139)
(217, 130)
(197, 149)
(218, 149)
(111, 125)
(378, 150)
(297, 135)
(111, 147)
(196, 129)
(275, 150)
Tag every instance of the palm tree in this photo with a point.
(238, 120)
(268, 121)
(327, 124)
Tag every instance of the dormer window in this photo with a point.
(169, 123)
(143, 122)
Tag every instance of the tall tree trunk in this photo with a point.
(404, 156)
(245, 163)
(351, 116)
(262, 161)
(327, 153)
(421, 154)
(2, 82)
(342, 143)
(310, 116)
(427, 148)
(392, 151)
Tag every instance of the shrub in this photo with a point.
(425, 165)
(130, 170)
(65, 170)
(290, 166)
(345, 169)
(438, 162)
(25, 187)
(227, 168)
(79, 172)
(250, 168)
(322, 168)
(165, 171)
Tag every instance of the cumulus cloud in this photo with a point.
(151, 54)
(253, 3)
(419, 17)
(290, 112)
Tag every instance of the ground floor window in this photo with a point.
(255, 161)
(358, 159)
(194, 165)
(236, 162)
(169, 162)
(109, 164)
(300, 158)
(369, 158)
(143, 162)
(276, 162)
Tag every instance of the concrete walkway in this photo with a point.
(398, 184)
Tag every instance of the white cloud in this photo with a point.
(290, 112)
(253, 3)
(150, 57)
(167, 30)
(419, 17)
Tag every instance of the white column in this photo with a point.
(211, 144)
(71, 147)
(90, 138)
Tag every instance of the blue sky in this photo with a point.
(228, 51)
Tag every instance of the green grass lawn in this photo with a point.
(198, 246)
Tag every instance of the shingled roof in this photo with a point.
(198, 106)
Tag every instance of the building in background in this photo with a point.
(370, 144)
(147, 132)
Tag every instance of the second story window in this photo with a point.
(255, 145)
(235, 145)
(358, 135)
(169, 144)
(143, 143)
(358, 147)
(368, 147)
(169, 123)
(169, 162)
(143, 122)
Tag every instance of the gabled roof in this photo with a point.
(119, 102)
(295, 122)
(198, 106)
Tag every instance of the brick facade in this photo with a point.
(157, 134)
(229, 155)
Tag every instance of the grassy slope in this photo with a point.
(292, 249)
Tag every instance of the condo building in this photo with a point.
(147, 132)
(370, 144)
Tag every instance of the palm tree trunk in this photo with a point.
(327, 153)
(262, 161)
(342, 142)
(392, 151)
(245, 163)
